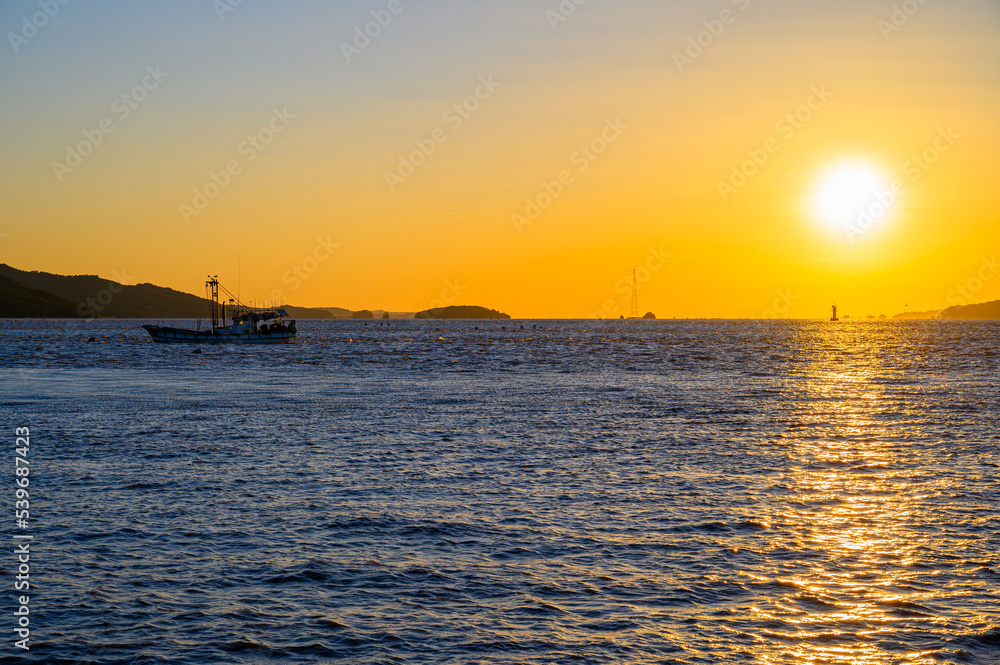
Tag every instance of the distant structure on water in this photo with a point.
(634, 314)
(834, 317)
(635, 298)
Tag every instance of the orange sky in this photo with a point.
(645, 194)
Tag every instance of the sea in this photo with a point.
(505, 492)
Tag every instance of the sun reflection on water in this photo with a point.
(847, 545)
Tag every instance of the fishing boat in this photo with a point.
(250, 325)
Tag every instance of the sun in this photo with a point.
(853, 196)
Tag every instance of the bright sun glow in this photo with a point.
(853, 196)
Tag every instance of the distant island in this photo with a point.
(986, 310)
(460, 312)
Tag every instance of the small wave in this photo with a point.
(989, 638)
(704, 527)
(330, 623)
(246, 644)
(306, 575)
(902, 608)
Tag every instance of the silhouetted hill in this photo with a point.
(986, 310)
(339, 312)
(90, 295)
(17, 301)
(461, 312)
(94, 296)
(309, 312)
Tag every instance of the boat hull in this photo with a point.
(164, 335)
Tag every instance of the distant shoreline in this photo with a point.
(41, 295)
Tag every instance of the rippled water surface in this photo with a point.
(536, 492)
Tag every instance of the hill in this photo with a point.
(309, 312)
(17, 301)
(461, 312)
(339, 312)
(94, 296)
(90, 295)
(986, 310)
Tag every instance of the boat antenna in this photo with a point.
(239, 276)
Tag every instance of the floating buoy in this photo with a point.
(196, 351)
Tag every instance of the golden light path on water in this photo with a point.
(851, 519)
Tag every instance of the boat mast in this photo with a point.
(213, 286)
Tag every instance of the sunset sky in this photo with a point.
(703, 165)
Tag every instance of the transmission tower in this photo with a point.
(635, 297)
